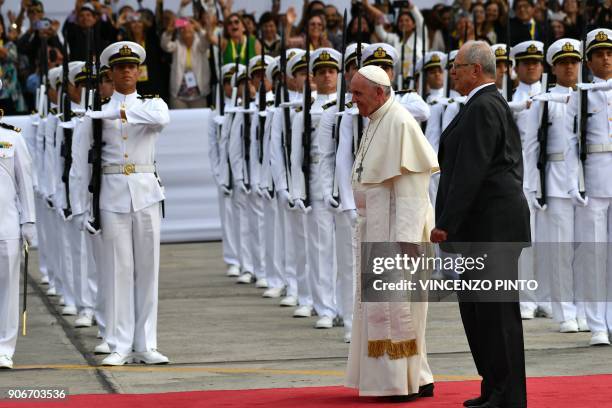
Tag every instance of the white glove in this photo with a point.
(533, 200)
(226, 190)
(105, 114)
(258, 191)
(266, 194)
(300, 204)
(284, 197)
(352, 214)
(244, 188)
(332, 203)
(578, 200)
(219, 120)
(519, 106)
(27, 232)
(84, 221)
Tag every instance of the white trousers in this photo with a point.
(229, 233)
(554, 257)
(284, 248)
(9, 295)
(51, 243)
(274, 256)
(593, 261)
(321, 273)
(530, 300)
(83, 266)
(64, 253)
(245, 242)
(346, 246)
(296, 247)
(130, 268)
(257, 237)
(95, 244)
(41, 213)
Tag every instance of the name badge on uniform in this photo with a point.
(6, 149)
(143, 73)
(190, 79)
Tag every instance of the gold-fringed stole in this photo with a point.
(395, 351)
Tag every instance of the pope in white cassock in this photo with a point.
(391, 176)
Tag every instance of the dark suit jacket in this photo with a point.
(480, 195)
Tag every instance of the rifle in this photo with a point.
(340, 104)
(509, 63)
(544, 124)
(583, 112)
(422, 87)
(95, 154)
(246, 126)
(220, 90)
(414, 61)
(286, 136)
(66, 148)
(359, 118)
(43, 100)
(307, 131)
(262, 105)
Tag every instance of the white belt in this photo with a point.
(556, 157)
(599, 148)
(128, 169)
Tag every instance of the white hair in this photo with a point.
(479, 52)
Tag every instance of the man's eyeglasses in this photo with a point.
(457, 66)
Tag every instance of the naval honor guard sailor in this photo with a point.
(130, 210)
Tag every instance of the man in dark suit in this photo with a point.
(480, 208)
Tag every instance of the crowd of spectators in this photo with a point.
(180, 43)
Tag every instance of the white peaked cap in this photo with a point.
(375, 74)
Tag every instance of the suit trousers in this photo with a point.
(554, 257)
(10, 256)
(229, 233)
(130, 269)
(593, 261)
(494, 331)
(83, 265)
(346, 245)
(321, 273)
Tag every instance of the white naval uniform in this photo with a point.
(41, 207)
(530, 301)
(58, 198)
(249, 209)
(230, 251)
(319, 221)
(555, 224)
(418, 108)
(291, 225)
(593, 223)
(130, 220)
(433, 132)
(16, 209)
(345, 215)
(81, 242)
(453, 108)
(273, 254)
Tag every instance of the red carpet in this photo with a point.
(593, 391)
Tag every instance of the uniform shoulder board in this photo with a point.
(270, 103)
(53, 111)
(148, 96)
(105, 100)
(329, 104)
(10, 127)
(349, 105)
(299, 108)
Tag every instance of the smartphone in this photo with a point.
(180, 22)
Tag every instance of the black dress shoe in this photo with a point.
(474, 402)
(426, 390)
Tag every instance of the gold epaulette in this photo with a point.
(349, 105)
(329, 104)
(10, 127)
(299, 109)
(105, 100)
(269, 103)
(53, 111)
